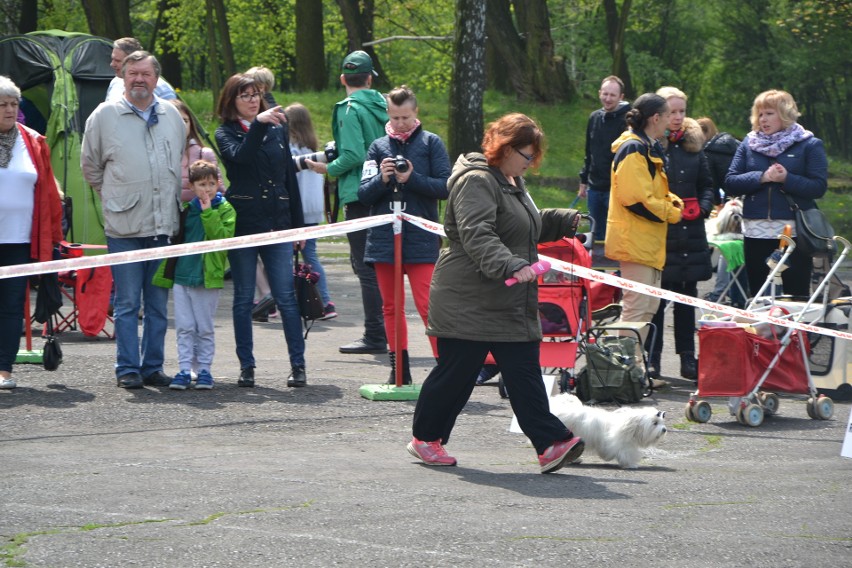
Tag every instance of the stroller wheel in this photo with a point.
(770, 403)
(752, 415)
(687, 411)
(823, 407)
(810, 408)
(702, 411)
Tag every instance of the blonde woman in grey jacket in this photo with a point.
(492, 228)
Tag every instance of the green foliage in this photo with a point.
(838, 208)
(63, 15)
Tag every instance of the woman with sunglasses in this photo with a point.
(493, 227)
(254, 143)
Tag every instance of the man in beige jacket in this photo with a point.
(131, 156)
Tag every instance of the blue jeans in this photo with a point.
(278, 260)
(312, 257)
(598, 201)
(133, 286)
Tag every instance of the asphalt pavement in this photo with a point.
(93, 475)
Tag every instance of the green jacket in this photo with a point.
(207, 269)
(357, 120)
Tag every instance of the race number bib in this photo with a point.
(371, 168)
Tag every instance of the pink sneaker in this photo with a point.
(430, 453)
(560, 454)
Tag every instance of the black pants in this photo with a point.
(450, 384)
(796, 279)
(12, 296)
(684, 320)
(371, 298)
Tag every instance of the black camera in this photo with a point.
(328, 154)
(400, 164)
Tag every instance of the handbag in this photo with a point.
(814, 234)
(308, 297)
(52, 352)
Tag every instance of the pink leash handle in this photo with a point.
(539, 268)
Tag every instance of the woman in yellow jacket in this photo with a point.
(641, 206)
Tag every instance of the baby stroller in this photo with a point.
(747, 362)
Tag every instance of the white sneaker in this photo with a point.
(7, 383)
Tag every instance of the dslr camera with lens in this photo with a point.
(400, 164)
(328, 154)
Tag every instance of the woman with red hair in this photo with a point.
(493, 227)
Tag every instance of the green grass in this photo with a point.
(555, 185)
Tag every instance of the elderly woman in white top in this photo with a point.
(30, 217)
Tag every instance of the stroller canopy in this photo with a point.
(63, 76)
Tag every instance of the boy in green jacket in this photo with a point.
(198, 278)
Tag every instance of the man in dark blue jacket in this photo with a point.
(605, 125)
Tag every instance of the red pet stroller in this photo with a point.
(568, 305)
(749, 363)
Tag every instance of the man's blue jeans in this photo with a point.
(598, 201)
(133, 285)
(278, 261)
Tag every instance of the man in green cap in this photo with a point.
(357, 120)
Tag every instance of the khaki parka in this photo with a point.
(492, 230)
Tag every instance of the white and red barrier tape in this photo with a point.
(344, 227)
(634, 286)
(260, 239)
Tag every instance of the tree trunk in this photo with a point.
(169, 61)
(508, 45)
(359, 30)
(108, 18)
(225, 38)
(526, 51)
(468, 85)
(616, 24)
(546, 72)
(28, 20)
(310, 46)
(495, 69)
(213, 55)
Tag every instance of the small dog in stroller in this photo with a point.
(617, 435)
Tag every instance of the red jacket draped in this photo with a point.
(47, 207)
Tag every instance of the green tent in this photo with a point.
(63, 77)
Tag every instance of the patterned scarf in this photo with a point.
(401, 136)
(674, 137)
(774, 144)
(7, 142)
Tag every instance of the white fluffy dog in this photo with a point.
(614, 435)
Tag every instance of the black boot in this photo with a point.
(406, 371)
(688, 366)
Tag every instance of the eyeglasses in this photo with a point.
(248, 97)
(527, 158)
